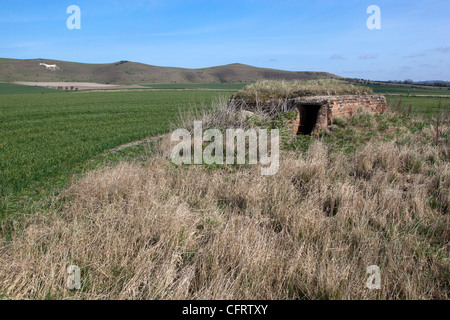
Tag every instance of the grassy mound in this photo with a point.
(269, 89)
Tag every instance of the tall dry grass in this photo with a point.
(221, 114)
(164, 232)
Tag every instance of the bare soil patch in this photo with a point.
(79, 85)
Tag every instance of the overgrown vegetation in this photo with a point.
(44, 139)
(268, 89)
(370, 190)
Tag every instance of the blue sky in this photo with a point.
(296, 35)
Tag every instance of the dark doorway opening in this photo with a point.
(308, 117)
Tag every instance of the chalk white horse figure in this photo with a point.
(52, 67)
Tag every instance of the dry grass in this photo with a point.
(222, 114)
(164, 232)
(263, 90)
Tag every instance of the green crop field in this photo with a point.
(10, 88)
(396, 89)
(426, 106)
(44, 137)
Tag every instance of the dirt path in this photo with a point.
(79, 85)
(100, 87)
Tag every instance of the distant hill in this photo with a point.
(125, 72)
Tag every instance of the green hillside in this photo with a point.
(125, 72)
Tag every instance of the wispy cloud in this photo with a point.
(416, 55)
(366, 56)
(443, 49)
(355, 71)
(337, 57)
(427, 65)
(18, 19)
